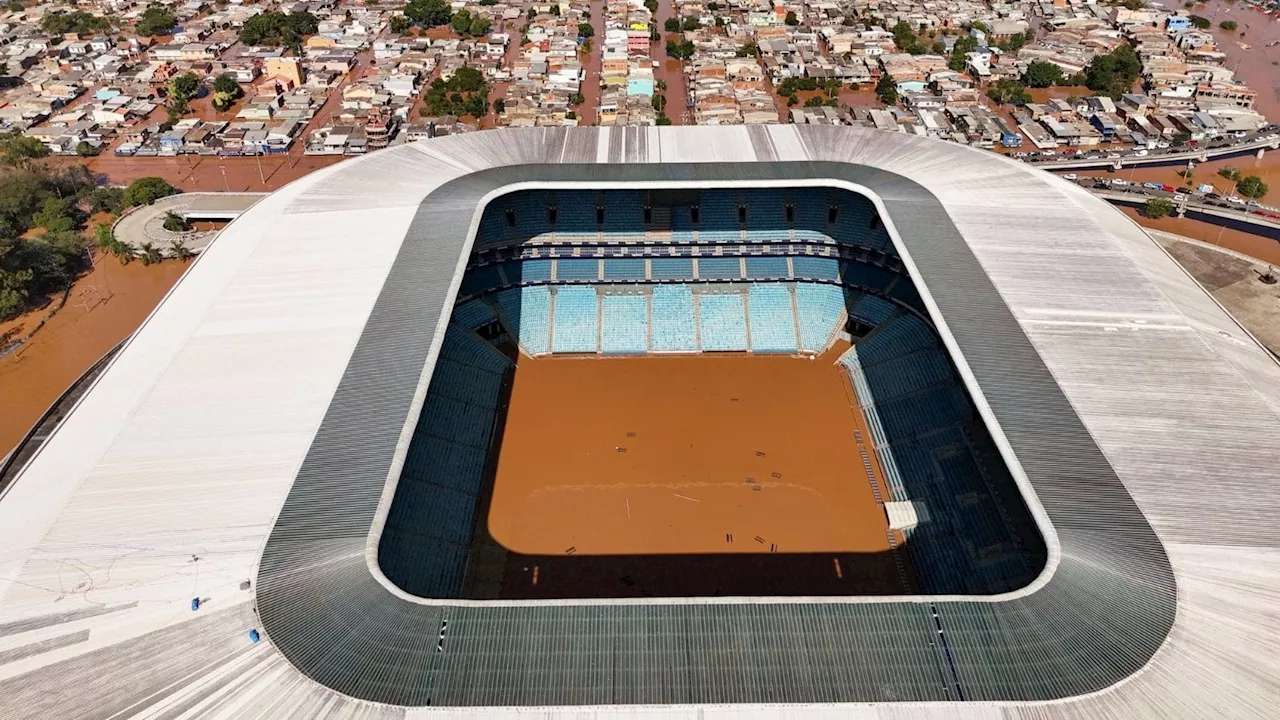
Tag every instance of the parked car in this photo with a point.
(1163, 145)
(1119, 182)
(1184, 190)
(1235, 200)
(1167, 188)
(1213, 196)
(1140, 153)
(1069, 176)
(1113, 156)
(1153, 185)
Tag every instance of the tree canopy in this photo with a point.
(1042, 74)
(1008, 91)
(35, 266)
(156, 21)
(16, 147)
(464, 93)
(77, 21)
(277, 28)
(680, 49)
(146, 190)
(1252, 186)
(965, 44)
(1200, 23)
(1157, 207)
(1113, 74)
(887, 90)
(428, 13)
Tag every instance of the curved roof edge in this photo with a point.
(337, 614)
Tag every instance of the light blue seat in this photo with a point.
(673, 328)
(722, 321)
(532, 271)
(773, 326)
(528, 312)
(625, 324)
(473, 314)
(624, 269)
(872, 310)
(819, 313)
(576, 328)
(769, 268)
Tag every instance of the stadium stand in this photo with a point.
(444, 470)
(772, 318)
(722, 322)
(624, 328)
(527, 311)
(819, 310)
(576, 326)
(673, 329)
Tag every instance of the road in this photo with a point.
(1159, 157)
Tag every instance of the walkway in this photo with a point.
(145, 224)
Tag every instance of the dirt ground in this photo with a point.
(742, 447)
(104, 307)
(611, 475)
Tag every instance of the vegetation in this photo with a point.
(748, 50)
(662, 120)
(577, 99)
(689, 24)
(1228, 25)
(585, 30)
(791, 18)
(74, 22)
(1200, 23)
(464, 23)
(792, 85)
(106, 199)
(225, 92)
(680, 49)
(37, 265)
(1158, 207)
(659, 102)
(464, 93)
(1008, 91)
(499, 106)
(1230, 173)
(671, 25)
(887, 91)
(1252, 186)
(16, 147)
(1013, 44)
(1113, 74)
(174, 222)
(651, 5)
(147, 190)
(156, 20)
(965, 44)
(904, 36)
(400, 23)
(1042, 74)
(277, 28)
(178, 250)
(84, 148)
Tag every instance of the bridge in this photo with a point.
(1161, 157)
(1259, 224)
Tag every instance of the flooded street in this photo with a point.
(104, 307)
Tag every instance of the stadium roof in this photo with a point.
(254, 421)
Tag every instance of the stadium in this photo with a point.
(768, 420)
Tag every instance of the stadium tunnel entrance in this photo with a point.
(812, 435)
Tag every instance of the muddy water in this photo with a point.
(1253, 65)
(104, 307)
(611, 457)
(1263, 248)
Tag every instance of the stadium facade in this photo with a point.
(244, 448)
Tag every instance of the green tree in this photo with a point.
(149, 254)
(651, 5)
(1230, 173)
(178, 250)
(662, 120)
(479, 26)
(460, 22)
(659, 102)
(183, 87)
(791, 18)
(1200, 23)
(680, 49)
(1252, 186)
(400, 23)
(73, 22)
(577, 99)
(1228, 25)
(16, 6)
(56, 215)
(671, 25)
(174, 222)
(690, 24)
(1042, 74)
(279, 29)
(1113, 74)
(499, 106)
(1008, 91)
(959, 52)
(226, 83)
(585, 30)
(1158, 207)
(106, 199)
(887, 91)
(146, 190)
(903, 35)
(86, 149)
(155, 20)
(748, 50)
(16, 148)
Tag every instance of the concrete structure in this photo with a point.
(238, 451)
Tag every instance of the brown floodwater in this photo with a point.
(104, 307)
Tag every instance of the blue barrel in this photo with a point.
(195, 604)
(254, 636)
